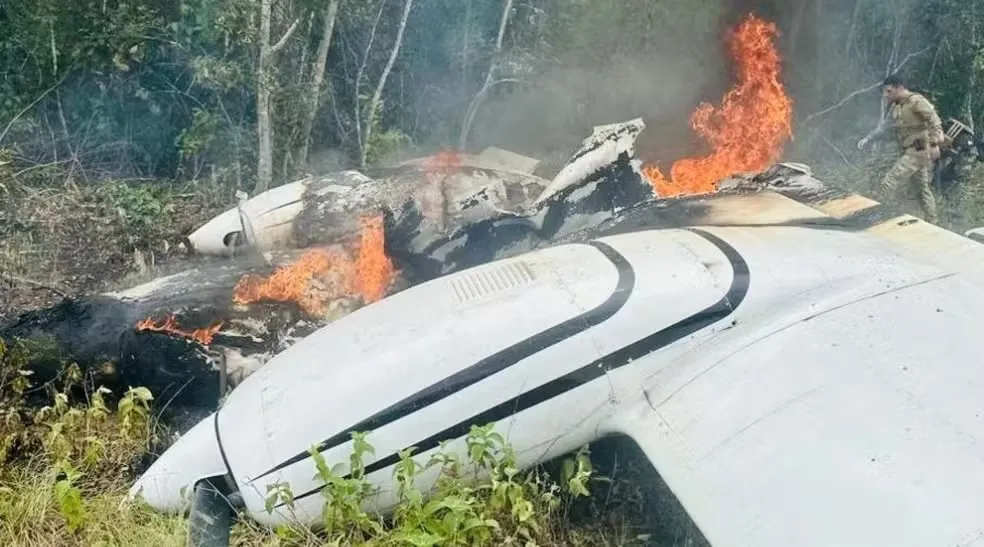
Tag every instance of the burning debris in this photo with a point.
(191, 335)
(170, 326)
(447, 191)
(325, 274)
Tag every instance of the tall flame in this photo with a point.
(287, 284)
(748, 131)
(374, 270)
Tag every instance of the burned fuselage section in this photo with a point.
(310, 252)
(447, 211)
(602, 178)
(449, 190)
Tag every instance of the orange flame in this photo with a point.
(170, 326)
(374, 270)
(443, 162)
(748, 131)
(286, 284)
(368, 276)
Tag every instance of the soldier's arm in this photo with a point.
(880, 130)
(927, 112)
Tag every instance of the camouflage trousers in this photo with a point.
(912, 171)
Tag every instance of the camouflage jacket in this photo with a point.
(913, 121)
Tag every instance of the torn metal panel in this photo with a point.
(604, 147)
(443, 201)
(590, 194)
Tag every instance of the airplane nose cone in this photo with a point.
(168, 484)
(217, 236)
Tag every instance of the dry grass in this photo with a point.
(30, 516)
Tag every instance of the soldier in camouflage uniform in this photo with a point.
(918, 133)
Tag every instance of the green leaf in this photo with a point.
(417, 538)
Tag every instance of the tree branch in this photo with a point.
(316, 80)
(358, 80)
(17, 279)
(377, 96)
(473, 107)
(283, 40)
(855, 93)
(910, 57)
(30, 106)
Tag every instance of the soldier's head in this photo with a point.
(893, 88)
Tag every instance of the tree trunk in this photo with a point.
(473, 107)
(967, 107)
(358, 78)
(264, 118)
(317, 77)
(378, 94)
(264, 167)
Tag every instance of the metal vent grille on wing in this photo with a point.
(486, 282)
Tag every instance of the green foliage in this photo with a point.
(493, 504)
(385, 144)
(69, 496)
(77, 446)
(196, 138)
(576, 472)
(67, 434)
(144, 211)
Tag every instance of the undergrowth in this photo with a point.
(60, 235)
(961, 208)
(66, 467)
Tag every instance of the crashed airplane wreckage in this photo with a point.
(801, 366)
(192, 336)
(312, 251)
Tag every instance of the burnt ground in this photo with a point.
(69, 240)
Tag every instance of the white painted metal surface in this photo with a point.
(855, 420)
(977, 234)
(793, 385)
(269, 213)
(196, 457)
